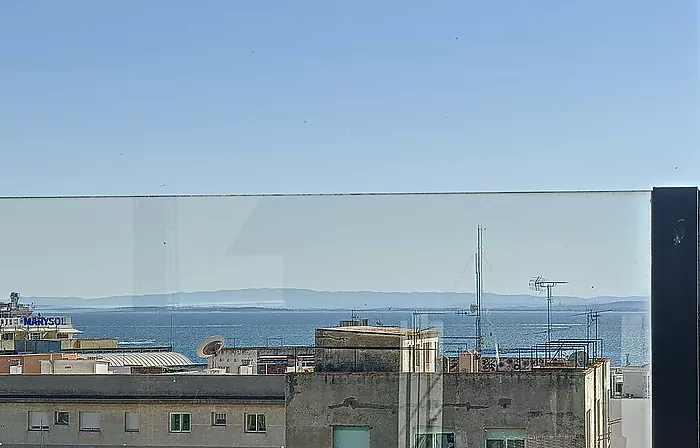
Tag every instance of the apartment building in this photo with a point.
(562, 407)
(142, 410)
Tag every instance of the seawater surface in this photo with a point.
(625, 335)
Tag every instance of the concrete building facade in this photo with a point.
(552, 408)
(362, 348)
(142, 410)
(237, 361)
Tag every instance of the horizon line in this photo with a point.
(328, 291)
(329, 194)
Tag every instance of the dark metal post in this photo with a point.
(675, 294)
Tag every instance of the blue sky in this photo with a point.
(121, 246)
(317, 96)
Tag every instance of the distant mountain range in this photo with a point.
(329, 300)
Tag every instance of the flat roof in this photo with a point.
(397, 331)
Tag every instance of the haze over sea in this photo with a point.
(625, 335)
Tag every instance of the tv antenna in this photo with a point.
(592, 316)
(539, 284)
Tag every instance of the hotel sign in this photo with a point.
(33, 321)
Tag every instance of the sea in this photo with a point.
(625, 335)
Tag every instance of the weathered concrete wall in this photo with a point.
(344, 359)
(550, 406)
(150, 387)
(316, 402)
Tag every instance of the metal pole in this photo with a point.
(588, 326)
(596, 334)
(479, 286)
(549, 319)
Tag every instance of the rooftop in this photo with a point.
(23, 388)
(397, 331)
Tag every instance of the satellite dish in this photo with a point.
(210, 347)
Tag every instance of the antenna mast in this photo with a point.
(479, 286)
(538, 284)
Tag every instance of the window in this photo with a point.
(131, 422)
(34, 336)
(62, 418)
(180, 422)
(255, 423)
(218, 419)
(8, 336)
(245, 362)
(90, 421)
(39, 421)
(505, 438)
(436, 440)
(350, 437)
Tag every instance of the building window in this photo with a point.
(35, 336)
(218, 419)
(8, 336)
(39, 421)
(90, 421)
(429, 354)
(350, 437)
(435, 440)
(505, 438)
(255, 423)
(131, 422)
(62, 418)
(180, 422)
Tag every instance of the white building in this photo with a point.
(237, 361)
(74, 367)
(630, 381)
